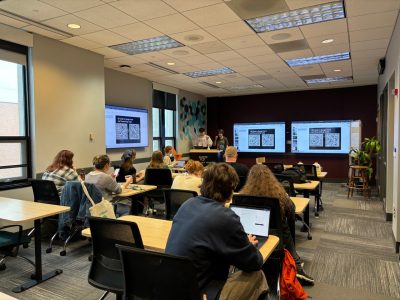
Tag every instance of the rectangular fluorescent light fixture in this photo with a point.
(298, 17)
(246, 87)
(219, 71)
(147, 45)
(318, 59)
(328, 79)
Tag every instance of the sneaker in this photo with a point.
(304, 278)
(302, 264)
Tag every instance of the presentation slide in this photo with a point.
(259, 137)
(126, 127)
(321, 137)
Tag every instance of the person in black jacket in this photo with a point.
(212, 236)
(242, 170)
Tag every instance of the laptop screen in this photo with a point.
(254, 220)
(180, 163)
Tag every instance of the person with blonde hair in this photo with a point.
(192, 179)
(242, 170)
(157, 160)
(167, 157)
(262, 182)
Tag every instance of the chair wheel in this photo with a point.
(90, 258)
(49, 250)
(3, 267)
(25, 246)
(309, 237)
(33, 276)
(63, 253)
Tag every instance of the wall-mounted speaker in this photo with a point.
(381, 66)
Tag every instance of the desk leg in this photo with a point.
(306, 214)
(135, 204)
(38, 277)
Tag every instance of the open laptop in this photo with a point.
(254, 220)
(180, 164)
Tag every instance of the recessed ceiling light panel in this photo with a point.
(327, 41)
(196, 74)
(74, 26)
(328, 79)
(148, 45)
(318, 59)
(298, 17)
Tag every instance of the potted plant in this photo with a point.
(363, 157)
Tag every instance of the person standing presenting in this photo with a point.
(221, 142)
(203, 140)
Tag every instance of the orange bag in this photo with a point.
(290, 287)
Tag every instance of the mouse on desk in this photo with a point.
(136, 187)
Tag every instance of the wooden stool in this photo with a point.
(358, 173)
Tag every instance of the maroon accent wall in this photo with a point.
(356, 103)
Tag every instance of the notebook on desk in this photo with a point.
(254, 220)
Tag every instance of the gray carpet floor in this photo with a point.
(351, 256)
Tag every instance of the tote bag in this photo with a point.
(103, 209)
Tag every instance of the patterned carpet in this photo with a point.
(351, 256)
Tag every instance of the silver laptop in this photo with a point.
(254, 220)
(180, 164)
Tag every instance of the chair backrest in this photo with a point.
(162, 178)
(45, 191)
(275, 168)
(260, 160)
(242, 182)
(106, 269)
(275, 222)
(287, 183)
(310, 170)
(174, 198)
(148, 275)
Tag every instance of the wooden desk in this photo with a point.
(300, 204)
(155, 234)
(18, 211)
(179, 170)
(6, 297)
(141, 188)
(307, 188)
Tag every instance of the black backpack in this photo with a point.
(297, 174)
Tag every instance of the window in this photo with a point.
(164, 124)
(15, 166)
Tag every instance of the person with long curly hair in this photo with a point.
(262, 182)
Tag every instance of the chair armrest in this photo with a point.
(19, 230)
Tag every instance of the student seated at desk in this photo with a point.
(61, 170)
(192, 179)
(262, 182)
(157, 160)
(104, 182)
(212, 236)
(127, 168)
(167, 157)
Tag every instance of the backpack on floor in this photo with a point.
(290, 287)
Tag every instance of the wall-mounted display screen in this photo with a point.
(321, 137)
(259, 137)
(126, 127)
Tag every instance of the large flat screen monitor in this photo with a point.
(259, 137)
(126, 127)
(330, 137)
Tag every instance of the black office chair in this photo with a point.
(149, 275)
(10, 242)
(273, 266)
(275, 168)
(242, 182)
(174, 198)
(106, 269)
(162, 178)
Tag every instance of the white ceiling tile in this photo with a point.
(212, 15)
(244, 42)
(295, 4)
(329, 67)
(110, 64)
(255, 51)
(324, 28)
(197, 59)
(183, 69)
(296, 54)
(136, 31)
(372, 20)
(82, 43)
(106, 38)
(12, 22)
(236, 62)
(143, 68)
(282, 36)
(108, 52)
(144, 9)
(130, 60)
(172, 24)
(262, 59)
(15, 35)
(367, 45)
(365, 67)
(180, 52)
(208, 66)
(275, 64)
(365, 55)
(44, 32)
(364, 7)
(153, 56)
(280, 72)
(73, 5)
(106, 16)
(332, 49)
(230, 30)
(248, 68)
(62, 22)
(331, 73)
(210, 47)
(308, 70)
(193, 37)
(339, 38)
(371, 34)
(225, 55)
(183, 5)
(32, 9)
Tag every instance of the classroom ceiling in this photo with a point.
(213, 35)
